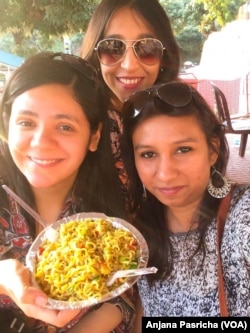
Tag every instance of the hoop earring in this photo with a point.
(218, 192)
(144, 194)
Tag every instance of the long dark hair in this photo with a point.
(153, 13)
(97, 185)
(149, 212)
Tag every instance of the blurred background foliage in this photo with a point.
(31, 26)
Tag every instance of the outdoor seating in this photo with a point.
(233, 126)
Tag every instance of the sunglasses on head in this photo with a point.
(110, 51)
(79, 64)
(175, 94)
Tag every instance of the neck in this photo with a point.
(116, 104)
(180, 220)
(50, 201)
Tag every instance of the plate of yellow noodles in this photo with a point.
(72, 259)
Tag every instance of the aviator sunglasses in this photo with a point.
(110, 51)
(175, 94)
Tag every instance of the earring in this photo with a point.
(218, 192)
(144, 195)
(162, 69)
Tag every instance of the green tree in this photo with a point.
(184, 16)
(194, 20)
(30, 21)
(30, 26)
(218, 13)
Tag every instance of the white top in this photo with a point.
(192, 288)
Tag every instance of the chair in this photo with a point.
(233, 126)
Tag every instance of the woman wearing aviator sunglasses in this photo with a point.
(175, 152)
(132, 45)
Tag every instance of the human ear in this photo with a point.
(95, 138)
(214, 152)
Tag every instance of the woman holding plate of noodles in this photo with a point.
(53, 131)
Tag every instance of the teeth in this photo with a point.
(129, 81)
(43, 161)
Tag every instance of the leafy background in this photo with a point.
(30, 26)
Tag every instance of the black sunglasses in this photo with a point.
(79, 64)
(110, 51)
(175, 94)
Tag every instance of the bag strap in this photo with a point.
(221, 219)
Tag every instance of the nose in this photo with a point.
(41, 137)
(129, 60)
(166, 168)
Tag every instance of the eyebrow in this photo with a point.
(141, 36)
(56, 116)
(180, 142)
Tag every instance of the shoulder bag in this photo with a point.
(221, 219)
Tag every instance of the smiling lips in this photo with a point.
(170, 190)
(128, 81)
(43, 161)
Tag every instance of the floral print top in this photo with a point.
(116, 126)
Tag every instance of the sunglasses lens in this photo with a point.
(175, 94)
(110, 51)
(149, 50)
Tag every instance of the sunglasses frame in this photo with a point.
(134, 100)
(124, 42)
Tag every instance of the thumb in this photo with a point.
(33, 295)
